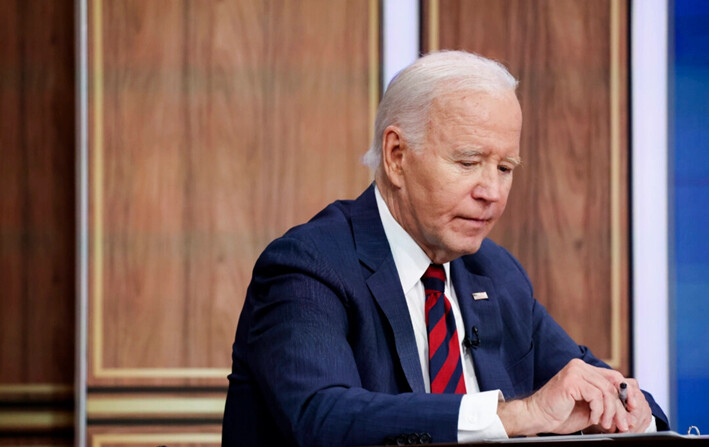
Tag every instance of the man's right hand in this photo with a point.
(577, 397)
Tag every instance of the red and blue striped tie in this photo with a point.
(445, 367)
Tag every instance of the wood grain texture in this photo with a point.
(139, 436)
(560, 220)
(40, 440)
(158, 405)
(222, 124)
(37, 205)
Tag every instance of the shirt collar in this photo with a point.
(410, 259)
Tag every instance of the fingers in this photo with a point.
(621, 419)
(596, 404)
(614, 377)
(613, 414)
(635, 396)
(597, 388)
(636, 415)
(588, 384)
(620, 423)
(640, 414)
(582, 395)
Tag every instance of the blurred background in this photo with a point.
(150, 150)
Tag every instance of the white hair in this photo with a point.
(407, 99)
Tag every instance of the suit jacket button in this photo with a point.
(412, 439)
(425, 438)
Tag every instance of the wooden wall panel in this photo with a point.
(566, 219)
(215, 126)
(37, 222)
(37, 219)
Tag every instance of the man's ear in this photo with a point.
(393, 153)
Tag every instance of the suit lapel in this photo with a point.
(485, 315)
(374, 253)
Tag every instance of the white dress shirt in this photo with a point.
(477, 416)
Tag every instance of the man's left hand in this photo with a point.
(639, 413)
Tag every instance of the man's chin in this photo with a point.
(469, 248)
(447, 250)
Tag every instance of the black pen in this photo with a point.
(623, 395)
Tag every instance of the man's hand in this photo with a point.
(639, 413)
(578, 397)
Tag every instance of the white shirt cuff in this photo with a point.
(652, 428)
(477, 417)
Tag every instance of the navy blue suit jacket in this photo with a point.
(325, 351)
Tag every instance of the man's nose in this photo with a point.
(489, 185)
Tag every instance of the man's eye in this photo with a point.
(505, 169)
(468, 164)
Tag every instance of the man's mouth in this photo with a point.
(476, 221)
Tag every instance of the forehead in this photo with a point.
(473, 104)
(461, 114)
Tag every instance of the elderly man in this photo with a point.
(391, 318)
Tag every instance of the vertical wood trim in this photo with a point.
(615, 117)
(433, 26)
(374, 69)
(97, 187)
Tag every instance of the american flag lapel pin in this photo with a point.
(480, 296)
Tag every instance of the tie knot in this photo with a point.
(434, 278)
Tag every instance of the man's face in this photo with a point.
(453, 190)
